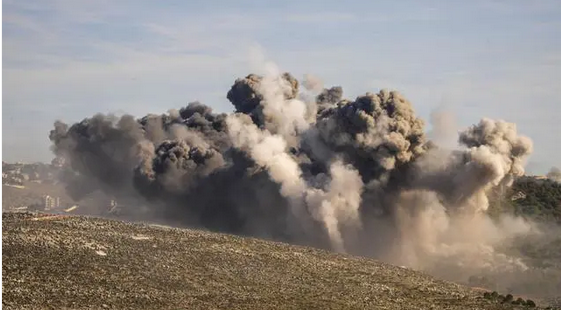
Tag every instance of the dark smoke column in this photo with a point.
(100, 150)
(377, 133)
(247, 95)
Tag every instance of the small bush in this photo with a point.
(487, 295)
(508, 298)
(494, 294)
(519, 301)
(530, 303)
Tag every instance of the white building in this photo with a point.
(51, 202)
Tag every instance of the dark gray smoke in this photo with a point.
(356, 176)
(248, 95)
(101, 152)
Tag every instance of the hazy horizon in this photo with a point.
(69, 60)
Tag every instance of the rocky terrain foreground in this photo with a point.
(71, 262)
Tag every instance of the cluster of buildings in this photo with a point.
(12, 175)
(18, 173)
(22, 175)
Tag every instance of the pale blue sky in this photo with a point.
(68, 59)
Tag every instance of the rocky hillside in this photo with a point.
(71, 262)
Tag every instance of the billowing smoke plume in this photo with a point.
(357, 176)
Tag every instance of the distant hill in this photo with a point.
(542, 198)
(89, 263)
(534, 197)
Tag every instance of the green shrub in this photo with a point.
(530, 303)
